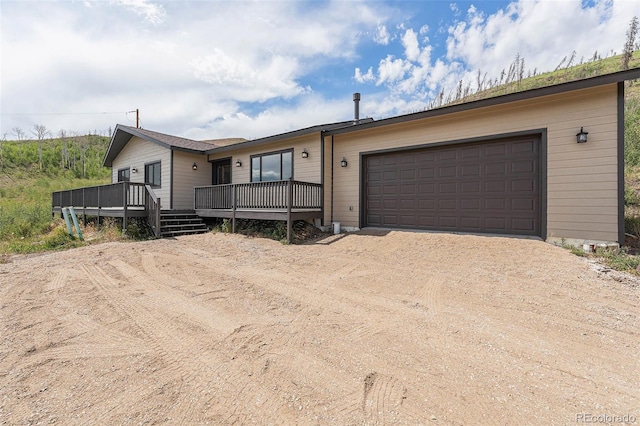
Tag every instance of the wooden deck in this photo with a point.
(122, 199)
(286, 200)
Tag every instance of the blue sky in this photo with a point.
(214, 69)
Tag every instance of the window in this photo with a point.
(124, 175)
(274, 166)
(152, 174)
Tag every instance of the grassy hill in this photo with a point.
(26, 182)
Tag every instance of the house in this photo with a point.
(546, 163)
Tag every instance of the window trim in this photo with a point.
(146, 174)
(128, 170)
(265, 154)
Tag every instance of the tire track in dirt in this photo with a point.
(189, 361)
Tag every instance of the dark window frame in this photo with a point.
(121, 174)
(157, 180)
(266, 154)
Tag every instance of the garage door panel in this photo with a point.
(470, 170)
(491, 186)
(427, 173)
(427, 188)
(447, 171)
(448, 188)
(448, 222)
(471, 152)
(520, 204)
(495, 204)
(495, 224)
(472, 187)
(471, 223)
(523, 185)
(495, 169)
(495, 186)
(472, 204)
(522, 225)
(446, 154)
(447, 204)
(523, 147)
(496, 150)
(527, 166)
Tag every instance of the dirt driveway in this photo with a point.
(386, 328)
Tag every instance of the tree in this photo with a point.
(19, 135)
(629, 44)
(40, 131)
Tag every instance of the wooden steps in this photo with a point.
(180, 222)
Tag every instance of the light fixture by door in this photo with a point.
(194, 167)
(305, 154)
(238, 163)
(581, 136)
(343, 163)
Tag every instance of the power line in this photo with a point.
(67, 113)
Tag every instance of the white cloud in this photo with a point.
(382, 35)
(153, 13)
(366, 77)
(243, 81)
(410, 43)
(391, 69)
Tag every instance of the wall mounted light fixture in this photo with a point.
(305, 154)
(238, 163)
(581, 136)
(134, 170)
(194, 167)
(343, 163)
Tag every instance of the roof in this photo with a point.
(295, 133)
(600, 80)
(225, 142)
(123, 134)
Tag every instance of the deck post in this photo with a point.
(289, 204)
(98, 206)
(124, 206)
(233, 209)
(158, 226)
(84, 210)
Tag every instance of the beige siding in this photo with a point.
(185, 178)
(304, 169)
(139, 152)
(581, 178)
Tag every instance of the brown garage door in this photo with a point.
(488, 187)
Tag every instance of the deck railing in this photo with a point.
(277, 195)
(102, 196)
(121, 196)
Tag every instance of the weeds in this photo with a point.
(619, 260)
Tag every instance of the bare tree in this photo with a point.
(629, 44)
(19, 136)
(40, 131)
(4, 139)
(64, 152)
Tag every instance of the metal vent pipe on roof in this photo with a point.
(356, 107)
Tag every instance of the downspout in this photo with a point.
(322, 176)
(171, 183)
(331, 179)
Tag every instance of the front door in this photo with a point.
(221, 172)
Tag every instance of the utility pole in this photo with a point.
(137, 118)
